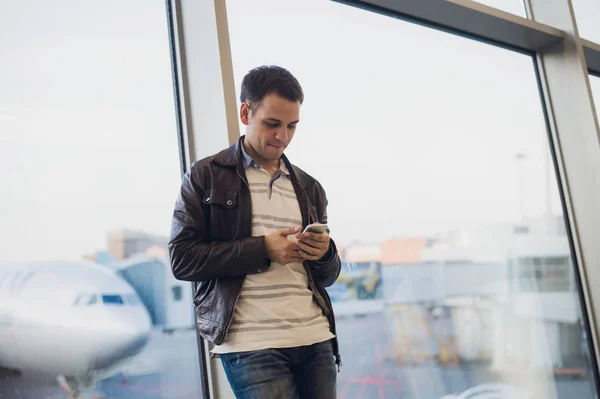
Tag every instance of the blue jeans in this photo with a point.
(296, 373)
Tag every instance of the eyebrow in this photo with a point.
(278, 121)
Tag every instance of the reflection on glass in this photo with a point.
(587, 15)
(89, 166)
(457, 275)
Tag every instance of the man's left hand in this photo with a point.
(313, 245)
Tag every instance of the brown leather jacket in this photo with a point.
(211, 239)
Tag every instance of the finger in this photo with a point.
(292, 246)
(315, 243)
(321, 237)
(310, 243)
(308, 249)
(294, 253)
(308, 256)
(289, 231)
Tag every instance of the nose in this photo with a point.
(283, 134)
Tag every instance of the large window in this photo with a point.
(544, 274)
(90, 173)
(442, 193)
(516, 7)
(587, 13)
(595, 84)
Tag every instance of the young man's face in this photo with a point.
(271, 126)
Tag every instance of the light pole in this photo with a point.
(521, 158)
(548, 166)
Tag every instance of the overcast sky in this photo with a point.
(411, 131)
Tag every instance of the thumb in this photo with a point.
(289, 231)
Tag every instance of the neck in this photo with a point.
(268, 165)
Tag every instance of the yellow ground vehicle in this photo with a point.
(358, 281)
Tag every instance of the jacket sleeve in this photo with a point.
(327, 269)
(194, 257)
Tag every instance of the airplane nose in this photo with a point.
(133, 340)
(127, 339)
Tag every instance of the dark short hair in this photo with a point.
(268, 79)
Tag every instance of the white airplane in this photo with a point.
(72, 319)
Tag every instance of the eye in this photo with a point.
(271, 124)
(292, 127)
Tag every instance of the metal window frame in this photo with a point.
(207, 110)
(469, 19)
(204, 100)
(572, 122)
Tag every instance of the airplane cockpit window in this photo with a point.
(86, 299)
(109, 299)
(112, 299)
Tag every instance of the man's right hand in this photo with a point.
(280, 249)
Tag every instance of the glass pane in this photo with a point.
(89, 164)
(457, 275)
(587, 14)
(516, 7)
(595, 84)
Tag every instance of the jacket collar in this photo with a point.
(234, 157)
(231, 156)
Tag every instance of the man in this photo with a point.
(237, 231)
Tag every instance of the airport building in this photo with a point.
(458, 144)
(167, 299)
(122, 244)
(485, 292)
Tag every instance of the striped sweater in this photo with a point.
(275, 308)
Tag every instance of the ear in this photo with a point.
(245, 113)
